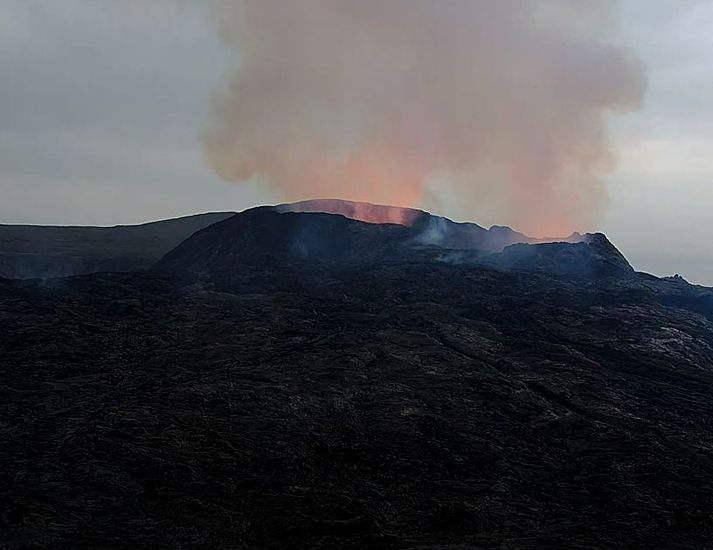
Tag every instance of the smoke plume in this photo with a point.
(495, 109)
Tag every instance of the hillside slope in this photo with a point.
(33, 251)
(304, 380)
(280, 235)
(392, 407)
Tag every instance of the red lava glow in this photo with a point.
(361, 211)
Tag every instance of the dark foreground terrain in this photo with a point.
(293, 378)
(394, 406)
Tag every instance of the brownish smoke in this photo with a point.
(501, 102)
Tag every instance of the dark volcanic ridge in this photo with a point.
(433, 230)
(335, 231)
(310, 236)
(323, 230)
(292, 250)
(42, 251)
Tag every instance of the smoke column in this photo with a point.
(499, 105)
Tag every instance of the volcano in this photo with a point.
(436, 230)
(338, 375)
(335, 231)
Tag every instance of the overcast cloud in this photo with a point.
(102, 103)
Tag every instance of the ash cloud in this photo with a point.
(503, 104)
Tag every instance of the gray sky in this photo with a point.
(102, 103)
